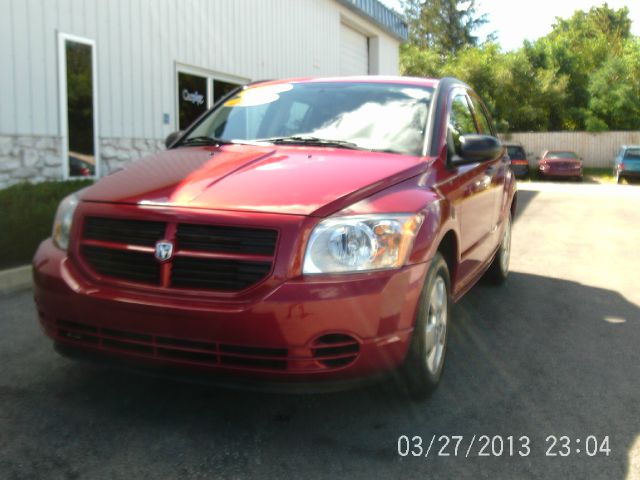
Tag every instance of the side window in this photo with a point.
(481, 117)
(460, 123)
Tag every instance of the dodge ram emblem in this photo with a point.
(164, 250)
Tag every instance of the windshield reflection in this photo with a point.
(373, 116)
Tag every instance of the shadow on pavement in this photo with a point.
(524, 199)
(538, 357)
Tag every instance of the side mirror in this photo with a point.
(477, 148)
(171, 138)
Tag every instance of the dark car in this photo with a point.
(304, 234)
(519, 162)
(80, 167)
(560, 164)
(627, 163)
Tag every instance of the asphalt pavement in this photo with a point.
(554, 352)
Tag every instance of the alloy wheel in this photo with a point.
(436, 325)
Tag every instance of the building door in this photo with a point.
(78, 107)
(354, 52)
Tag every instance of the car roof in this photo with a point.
(630, 146)
(416, 81)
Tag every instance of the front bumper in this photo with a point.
(627, 173)
(556, 172)
(338, 328)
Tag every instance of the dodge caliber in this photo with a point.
(307, 234)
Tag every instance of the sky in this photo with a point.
(517, 20)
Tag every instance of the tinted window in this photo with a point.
(192, 98)
(220, 89)
(516, 153)
(632, 154)
(460, 122)
(561, 155)
(376, 116)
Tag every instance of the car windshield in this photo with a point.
(516, 153)
(632, 154)
(570, 155)
(371, 116)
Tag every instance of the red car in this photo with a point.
(307, 234)
(560, 163)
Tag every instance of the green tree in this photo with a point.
(575, 48)
(420, 62)
(614, 91)
(445, 26)
(585, 74)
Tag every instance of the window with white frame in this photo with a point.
(78, 106)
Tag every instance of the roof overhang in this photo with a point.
(383, 17)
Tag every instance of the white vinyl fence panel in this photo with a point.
(596, 149)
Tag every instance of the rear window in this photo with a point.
(516, 153)
(632, 154)
(562, 155)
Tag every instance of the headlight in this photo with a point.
(360, 242)
(62, 221)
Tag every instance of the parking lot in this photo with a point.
(553, 352)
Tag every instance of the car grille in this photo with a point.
(220, 239)
(174, 349)
(134, 266)
(564, 165)
(217, 274)
(133, 232)
(329, 352)
(205, 257)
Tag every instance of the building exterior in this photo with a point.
(92, 85)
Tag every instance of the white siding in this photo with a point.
(139, 43)
(596, 149)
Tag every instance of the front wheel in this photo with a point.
(499, 269)
(425, 360)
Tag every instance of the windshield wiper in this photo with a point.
(203, 140)
(312, 141)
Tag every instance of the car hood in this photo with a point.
(291, 180)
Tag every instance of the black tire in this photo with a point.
(423, 367)
(499, 270)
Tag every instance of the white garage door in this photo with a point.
(354, 52)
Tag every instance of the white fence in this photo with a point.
(596, 149)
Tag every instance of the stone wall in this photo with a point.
(115, 153)
(29, 158)
(38, 158)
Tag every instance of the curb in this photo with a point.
(15, 278)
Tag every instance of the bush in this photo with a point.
(26, 217)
